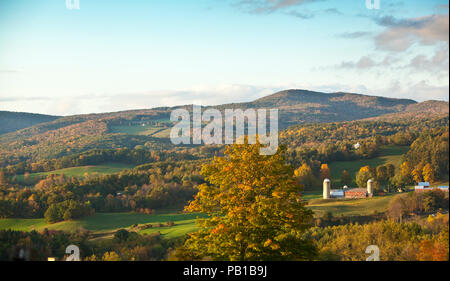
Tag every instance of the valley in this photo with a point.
(112, 180)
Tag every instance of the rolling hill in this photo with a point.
(80, 133)
(302, 106)
(423, 110)
(13, 121)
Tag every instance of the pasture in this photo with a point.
(155, 128)
(105, 224)
(79, 172)
(351, 207)
(388, 155)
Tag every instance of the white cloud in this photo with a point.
(400, 35)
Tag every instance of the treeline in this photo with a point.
(38, 246)
(163, 185)
(417, 203)
(428, 158)
(137, 156)
(12, 121)
(67, 210)
(423, 240)
(331, 142)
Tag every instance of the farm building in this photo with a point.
(425, 186)
(347, 192)
(356, 193)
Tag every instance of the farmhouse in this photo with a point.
(347, 192)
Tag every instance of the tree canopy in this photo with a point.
(254, 206)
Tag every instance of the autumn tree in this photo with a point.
(435, 249)
(417, 173)
(404, 176)
(254, 206)
(428, 173)
(346, 179)
(305, 176)
(111, 256)
(325, 172)
(382, 174)
(390, 169)
(364, 174)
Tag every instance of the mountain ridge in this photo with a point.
(12, 121)
(79, 133)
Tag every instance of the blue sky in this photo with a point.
(117, 55)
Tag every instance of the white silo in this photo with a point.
(326, 188)
(370, 188)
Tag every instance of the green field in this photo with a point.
(315, 194)
(352, 207)
(180, 229)
(389, 155)
(157, 130)
(134, 130)
(104, 224)
(103, 169)
(165, 133)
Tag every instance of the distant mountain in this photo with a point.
(302, 106)
(432, 106)
(426, 109)
(79, 133)
(13, 121)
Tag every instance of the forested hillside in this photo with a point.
(13, 121)
(47, 181)
(128, 129)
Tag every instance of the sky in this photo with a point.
(112, 55)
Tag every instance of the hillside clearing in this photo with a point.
(79, 172)
(107, 223)
(353, 207)
(388, 155)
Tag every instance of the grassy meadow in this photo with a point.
(389, 155)
(158, 130)
(351, 207)
(105, 224)
(79, 172)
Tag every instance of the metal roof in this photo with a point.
(356, 190)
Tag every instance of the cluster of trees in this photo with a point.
(40, 245)
(254, 207)
(12, 121)
(325, 143)
(428, 158)
(67, 210)
(382, 176)
(397, 241)
(127, 246)
(160, 185)
(417, 203)
(136, 156)
(312, 177)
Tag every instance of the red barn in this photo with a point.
(355, 193)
